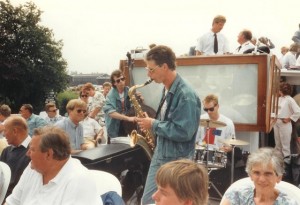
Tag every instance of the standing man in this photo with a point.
(33, 120)
(97, 101)
(244, 39)
(53, 176)
(117, 105)
(16, 133)
(213, 42)
(106, 88)
(76, 109)
(177, 118)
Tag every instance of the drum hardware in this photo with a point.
(211, 184)
(207, 123)
(232, 142)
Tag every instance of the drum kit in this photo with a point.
(214, 159)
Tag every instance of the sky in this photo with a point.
(97, 34)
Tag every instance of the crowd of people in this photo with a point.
(215, 42)
(38, 149)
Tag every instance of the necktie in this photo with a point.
(215, 44)
(239, 48)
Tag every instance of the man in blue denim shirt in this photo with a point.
(117, 105)
(177, 118)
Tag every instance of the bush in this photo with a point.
(63, 99)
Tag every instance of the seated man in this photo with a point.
(16, 133)
(33, 120)
(53, 177)
(92, 132)
(212, 136)
(52, 115)
(181, 182)
(76, 109)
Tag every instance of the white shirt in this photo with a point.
(288, 108)
(90, 127)
(289, 59)
(298, 61)
(245, 46)
(205, 44)
(219, 133)
(71, 186)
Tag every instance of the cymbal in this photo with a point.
(233, 142)
(211, 123)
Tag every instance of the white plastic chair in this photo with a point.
(106, 182)
(291, 190)
(5, 175)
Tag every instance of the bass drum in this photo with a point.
(210, 158)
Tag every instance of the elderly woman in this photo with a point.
(265, 168)
(181, 182)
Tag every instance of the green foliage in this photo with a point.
(31, 62)
(63, 99)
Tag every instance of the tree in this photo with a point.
(31, 62)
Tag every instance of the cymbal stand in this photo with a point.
(209, 170)
(211, 184)
(232, 163)
(207, 143)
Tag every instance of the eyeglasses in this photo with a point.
(151, 70)
(52, 110)
(84, 96)
(211, 109)
(79, 111)
(119, 80)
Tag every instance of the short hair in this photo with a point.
(188, 179)
(285, 88)
(115, 73)
(106, 84)
(75, 103)
(18, 122)
(162, 54)
(28, 107)
(88, 86)
(5, 110)
(49, 105)
(54, 138)
(294, 47)
(247, 34)
(152, 45)
(264, 156)
(211, 98)
(219, 18)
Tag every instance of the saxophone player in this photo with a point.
(116, 106)
(177, 118)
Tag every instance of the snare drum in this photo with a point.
(216, 159)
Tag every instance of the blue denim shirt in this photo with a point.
(35, 121)
(113, 104)
(176, 133)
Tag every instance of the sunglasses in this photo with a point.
(119, 80)
(79, 111)
(211, 109)
(52, 110)
(84, 96)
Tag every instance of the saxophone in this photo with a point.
(147, 142)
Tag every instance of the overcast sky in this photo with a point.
(98, 33)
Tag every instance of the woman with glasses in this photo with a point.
(265, 167)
